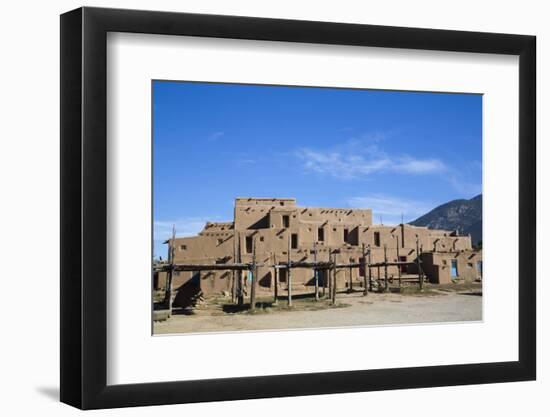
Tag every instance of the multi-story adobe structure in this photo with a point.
(270, 226)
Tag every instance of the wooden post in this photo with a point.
(254, 271)
(398, 260)
(240, 283)
(276, 282)
(235, 275)
(334, 278)
(386, 286)
(420, 279)
(350, 289)
(315, 271)
(370, 274)
(169, 278)
(364, 265)
(289, 274)
(422, 269)
(329, 273)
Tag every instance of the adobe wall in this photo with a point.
(260, 223)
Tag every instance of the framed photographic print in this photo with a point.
(258, 207)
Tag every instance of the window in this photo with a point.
(294, 241)
(220, 241)
(346, 235)
(261, 238)
(377, 239)
(248, 244)
(286, 221)
(183, 247)
(321, 234)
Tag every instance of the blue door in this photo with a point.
(454, 269)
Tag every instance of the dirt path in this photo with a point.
(355, 310)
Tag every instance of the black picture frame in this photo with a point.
(84, 207)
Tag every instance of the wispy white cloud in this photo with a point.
(188, 226)
(361, 157)
(391, 208)
(215, 136)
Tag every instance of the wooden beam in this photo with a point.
(420, 278)
(289, 270)
(169, 278)
(276, 282)
(334, 279)
(364, 266)
(315, 271)
(370, 271)
(386, 284)
(254, 272)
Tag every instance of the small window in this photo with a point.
(346, 235)
(220, 241)
(470, 265)
(321, 234)
(261, 238)
(248, 244)
(377, 239)
(282, 203)
(294, 241)
(183, 247)
(286, 221)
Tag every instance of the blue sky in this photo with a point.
(395, 152)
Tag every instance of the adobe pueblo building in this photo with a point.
(326, 247)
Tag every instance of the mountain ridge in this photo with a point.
(462, 214)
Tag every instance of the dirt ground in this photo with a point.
(451, 303)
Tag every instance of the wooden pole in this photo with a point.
(364, 262)
(234, 284)
(334, 279)
(370, 271)
(169, 278)
(386, 286)
(254, 271)
(315, 271)
(422, 270)
(276, 283)
(329, 272)
(240, 283)
(350, 279)
(420, 279)
(289, 273)
(398, 260)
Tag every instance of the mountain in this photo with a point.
(464, 215)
